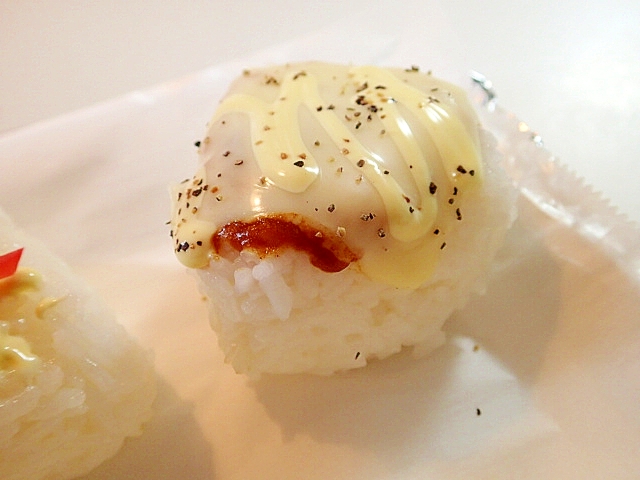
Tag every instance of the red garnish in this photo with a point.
(9, 263)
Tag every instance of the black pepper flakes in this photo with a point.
(478, 412)
(461, 169)
(197, 143)
(436, 231)
(238, 162)
(361, 163)
(197, 192)
(331, 208)
(357, 355)
(381, 233)
(458, 214)
(226, 154)
(444, 244)
(433, 188)
(299, 163)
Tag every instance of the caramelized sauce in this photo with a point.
(271, 235)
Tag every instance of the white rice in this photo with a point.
(282, 315)
(94, 387)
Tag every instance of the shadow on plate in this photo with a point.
(171, 446)
(517, 317)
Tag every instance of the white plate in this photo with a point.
(540, 377)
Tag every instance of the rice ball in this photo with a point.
(73, 384)
(339, 213)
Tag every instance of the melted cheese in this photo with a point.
(18, 294)
(16, 356)
(394, 152)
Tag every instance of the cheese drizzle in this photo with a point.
(278, 122)
(287, 162)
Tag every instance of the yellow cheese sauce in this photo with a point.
(21, 310)
(382, 157)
